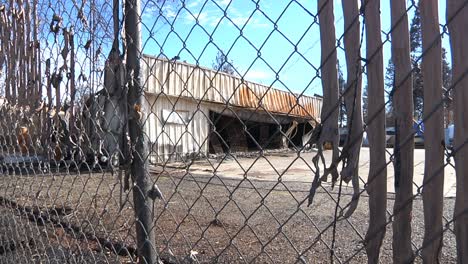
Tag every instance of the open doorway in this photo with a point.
(229, 134)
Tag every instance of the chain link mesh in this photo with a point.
(192, 132)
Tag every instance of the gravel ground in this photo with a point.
(228, 221)
(205, 218)
(21, 241)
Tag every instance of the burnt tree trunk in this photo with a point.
(404, 140)
(13, 54)
(72, 81)
(29, 54)
(145, 229)
(36, 59)
(377, 180)
(457, 14)
(21, 54)
(4, 49)
(433, 184)
(18, 36)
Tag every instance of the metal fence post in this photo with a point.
(142, 183)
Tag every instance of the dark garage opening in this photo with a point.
(229, 134)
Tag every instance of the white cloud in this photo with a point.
(258, 24)
(206, 18)
(203, 18)
(169, 12)
(239, 21)
(234, 11)
(152, 11)
(194, 4)
(224, 2)
(215, 21)
(257, 75)
(211, 17)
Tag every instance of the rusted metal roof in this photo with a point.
(175, 78)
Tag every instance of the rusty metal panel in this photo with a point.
(175, 78)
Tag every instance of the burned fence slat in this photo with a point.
(330, 112)
(36, 55)
(377, 180)
(13, 55)
(404, 142)
(328, 132)
(353, 93)
(433, 185)
(457, 18)
(21, 46)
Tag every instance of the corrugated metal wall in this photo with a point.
(193, 91)
(171, 140)
(182, 79)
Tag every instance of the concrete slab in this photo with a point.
(299, 168)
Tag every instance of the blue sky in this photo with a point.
(244, 29)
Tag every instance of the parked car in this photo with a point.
(418, 141)
(390, 136)
(365, 139)
(419, 133)
(343, 131)
(449, 131)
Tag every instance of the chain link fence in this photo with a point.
(227, 132)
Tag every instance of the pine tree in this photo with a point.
(416, 49)
(418, 90)
(446, 70)
(222, 64)
(365, 104)
(447, 82)
(389, 83)
(415, 32)
(341, 87)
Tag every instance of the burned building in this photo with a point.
(195, 111)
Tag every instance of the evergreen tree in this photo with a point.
(446, 70)
(389, 83)
(341, 87)
(365, 104)
(418, 90)
(415, 32)
(222, 64)
(416, 49)
(447, 81)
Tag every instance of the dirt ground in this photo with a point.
(209, 215)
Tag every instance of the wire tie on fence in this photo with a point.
(449, 153)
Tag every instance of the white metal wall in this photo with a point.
(174, 141)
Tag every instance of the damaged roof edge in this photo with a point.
(180, 79)
(248, 114)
